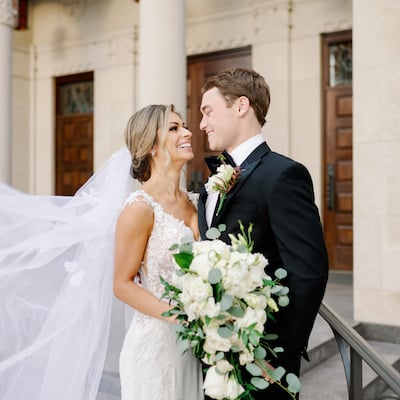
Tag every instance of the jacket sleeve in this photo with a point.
(296, 225)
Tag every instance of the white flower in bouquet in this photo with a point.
(234, 389)
(224, 366)
(216, 384)
(214, 342)
(221, 386)
(255, 317)
(211, 309)
(246, 357)
(223, 297)
(256, 301)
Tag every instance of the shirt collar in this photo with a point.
(241, 152)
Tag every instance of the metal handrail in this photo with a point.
(360, 349)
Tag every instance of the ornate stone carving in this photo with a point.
(7, 12)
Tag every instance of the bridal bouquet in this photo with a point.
(223, 297)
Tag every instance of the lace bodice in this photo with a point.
(151, 366)
(167, 231)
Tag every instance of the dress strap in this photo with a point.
(140, 195)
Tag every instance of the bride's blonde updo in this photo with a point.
(141, 136)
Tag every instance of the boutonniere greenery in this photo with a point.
(223, 181)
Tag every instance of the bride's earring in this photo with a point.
(153, 152)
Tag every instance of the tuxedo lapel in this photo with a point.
(247, 167)
(201, 210)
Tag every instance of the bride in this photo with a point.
(56, 274)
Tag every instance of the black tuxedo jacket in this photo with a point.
(276, 194)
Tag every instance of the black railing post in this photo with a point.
(355, 392)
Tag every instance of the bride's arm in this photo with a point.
(132, 233)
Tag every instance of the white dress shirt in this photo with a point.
(239, 154)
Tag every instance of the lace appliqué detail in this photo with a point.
(151, 366)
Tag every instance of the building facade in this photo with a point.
(337, 116)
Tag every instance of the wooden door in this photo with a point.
(338, 149)
(199, 69)
(74, 132)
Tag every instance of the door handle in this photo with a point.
(330, 192)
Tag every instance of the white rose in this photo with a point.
(201, 265)
(195, 288)
(212, 248)
(225, 171)
(208, 359)
(215, 384)
(252, 316)
(236, 342)
(234, 389)
(214, 342)
(256, 301)
(245, 357)
(254, 278)
(193, 310)
(210, 309)
(224, 366)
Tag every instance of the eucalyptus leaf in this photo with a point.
(278, 349)
(259, 383)
(182, 345)
(219, 356)
(283, 301)
(222, 227)
(260, 353)
(214, 276)
(224, 332)
(276, 289)
(254, 369)
(237, 312)
(281, 273)
(226, 301)
(186, 248)
(254, 338)
(178, 328)
(277, 373)
(242, 248)
(284, 290)
(213, 233)
(271, 336)
(174, 247)
(293, 381)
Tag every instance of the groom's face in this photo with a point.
(219, 122)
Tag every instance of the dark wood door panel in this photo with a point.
(199, 69)
(338, 170)
(74, 152)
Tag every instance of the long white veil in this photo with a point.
(56, 274)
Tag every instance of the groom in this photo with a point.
(274, 193)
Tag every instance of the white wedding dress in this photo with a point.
(151, 366)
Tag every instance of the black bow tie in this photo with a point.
(213, 162)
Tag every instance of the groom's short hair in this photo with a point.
(235, 82)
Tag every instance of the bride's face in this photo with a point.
(178, 141)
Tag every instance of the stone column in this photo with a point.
(162, 57)
(6, 31)
(376, 149)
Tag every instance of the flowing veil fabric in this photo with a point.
(56, 274)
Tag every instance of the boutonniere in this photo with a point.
(222, 182)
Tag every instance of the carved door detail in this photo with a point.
(338, 149)
(74, 132)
